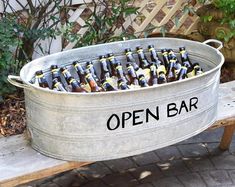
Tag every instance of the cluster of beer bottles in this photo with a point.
(113, 75)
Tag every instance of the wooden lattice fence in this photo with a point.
(152, 13)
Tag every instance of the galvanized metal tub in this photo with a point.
(109, 125)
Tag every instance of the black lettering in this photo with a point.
(125, 117)
(193, 103)
(148, 112)
(136, 117)
(117, 120)
(183, 105)
(171, 107)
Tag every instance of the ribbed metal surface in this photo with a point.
(101, 126)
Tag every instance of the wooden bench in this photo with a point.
(19, 163)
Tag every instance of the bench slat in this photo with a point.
(19, 163)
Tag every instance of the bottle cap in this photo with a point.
(40, 72)
(54, 66)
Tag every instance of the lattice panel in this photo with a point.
(152, 13)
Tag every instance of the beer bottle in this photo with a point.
(107, 85)
(80, 71)
(153, 75)
(120, 72)
(130, 59)
(91, 68)
(104, 68)
(41, 80)
(113, 61)
(170, 74)
(182, 73)
(55, 72)
(122, 85)
(184, 55)
(142, 81)
(144, 64)
(165, 57)
(91, 81)
(171, 54)
(162, 77)
(65, 72)
(76, 87)
(197, 69)
(132, 75)
(154, 56)
(57, 85)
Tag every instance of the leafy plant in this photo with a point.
(10, 43)
(228, 10)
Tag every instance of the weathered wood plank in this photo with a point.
(19, 163)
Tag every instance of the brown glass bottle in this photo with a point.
(184, 55)
(170, 74)
(162, 77)
(122, 85)
(55, 72)
(91, 68)
(142, 81)
(76, 87)
(107, 86)
(65, 72)
(120, 72)
(57, 85)
(103, 68)
(112, 61)
(153, 75)
(132, 75)
(197, 69)
(131, 59)
(144, 64)
(154, 56)
(165, 57)
(80, 71)
(182, 73)
(41, 80)
(91, 81)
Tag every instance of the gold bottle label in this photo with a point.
(161, 68)
(39, 76)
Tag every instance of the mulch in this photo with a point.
(13, 116)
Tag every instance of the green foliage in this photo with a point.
(101, 25)
(9, 43)
(228, 9)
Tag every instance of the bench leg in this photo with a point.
(227, 137)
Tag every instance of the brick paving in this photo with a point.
(196, 162)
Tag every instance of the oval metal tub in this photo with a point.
(109, 125)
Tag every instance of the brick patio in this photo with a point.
(195, 162)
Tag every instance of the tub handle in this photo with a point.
(16, 81)
(214, 41)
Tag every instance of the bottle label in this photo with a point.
(102, 60)
(182, 52)
(151, 49)
(128, 53)
(161, 68)
(71, 81)
(56, 85)
(191, 74)
(165, 53)
(111, 58)
(40, 76)
(140, 51)
(54, 70)
(119, 68)
(153, 68)
(89, 66)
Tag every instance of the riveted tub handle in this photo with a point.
(16, 81)
(214, 41)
